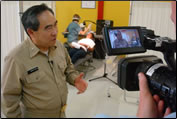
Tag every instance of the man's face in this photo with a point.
(46, 34)
(119, 35)
(89, 36)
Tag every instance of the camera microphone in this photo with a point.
(50, 62)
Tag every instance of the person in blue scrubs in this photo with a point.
(74, 29)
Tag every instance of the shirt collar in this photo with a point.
(34, 50)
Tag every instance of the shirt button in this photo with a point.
(32, 48)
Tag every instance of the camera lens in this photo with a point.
(161, 80)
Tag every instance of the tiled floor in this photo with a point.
(95, 100)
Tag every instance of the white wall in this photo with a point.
(27, 4)
(10, 24)
(154, 16)
(10, 28)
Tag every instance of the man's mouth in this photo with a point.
(54, 39)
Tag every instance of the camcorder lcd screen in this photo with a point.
(123, 40)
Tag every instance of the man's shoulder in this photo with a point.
(60, 48)
(59, 44)
(75, 25)
(17, 51)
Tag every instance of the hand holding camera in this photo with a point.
(150, 106)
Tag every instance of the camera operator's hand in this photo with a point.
(150, 106)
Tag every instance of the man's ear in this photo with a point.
(30, 32)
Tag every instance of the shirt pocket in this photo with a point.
(35, 76)
(62, 67)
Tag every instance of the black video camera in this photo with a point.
(131, 40)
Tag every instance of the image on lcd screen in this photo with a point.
(124, 38)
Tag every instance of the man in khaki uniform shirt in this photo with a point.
(36, 71)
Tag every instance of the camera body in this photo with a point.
(161, 78)
(125, 70)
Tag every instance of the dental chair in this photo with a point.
(84, 64)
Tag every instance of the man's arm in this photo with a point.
(87, 46)
(75, 45)
(86, 30)
(73, 77)
(71, 73)
(90, 49)
(11, 89)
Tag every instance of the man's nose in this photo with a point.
(55, 31)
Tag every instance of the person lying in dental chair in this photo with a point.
(82, 47)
